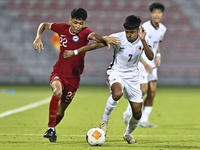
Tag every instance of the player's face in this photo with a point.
(131, 34)
(156, 15)
(76, 25)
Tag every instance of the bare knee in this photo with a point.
(137, 115)
(57, 92)
(151, 94)
(117, 95)
(144, 88)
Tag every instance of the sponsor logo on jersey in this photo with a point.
(75, 38)
(63, 35)
(56, 77)
(139, 48)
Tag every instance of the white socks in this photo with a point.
(146, 113)
(128, 110)
(110, 105)
(53, 128)
(133, 123)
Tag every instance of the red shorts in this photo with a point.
(69, 86)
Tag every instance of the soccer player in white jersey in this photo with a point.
(148, 69)
(123, 73)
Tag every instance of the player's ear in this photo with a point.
(84, 22)
(162, 14)
(70, 20)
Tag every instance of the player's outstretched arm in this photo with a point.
(158, 57)
(89, 47)
(147, 67)
(148, 50)
(37, 44)
(108, 39)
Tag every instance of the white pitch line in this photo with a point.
(1, 134)
(20, 109)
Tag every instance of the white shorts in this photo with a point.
(129, 82)
(146, 77)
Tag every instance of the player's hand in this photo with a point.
(158, 61)
(38, 45)
(148, 68)
(68, 54)
(142, 33)
(111, 40)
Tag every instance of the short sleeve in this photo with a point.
(87, 32)
(149, 43)
(164, 29)
(58, 27)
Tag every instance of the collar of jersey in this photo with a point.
(135, 41)
(71, 32)
(154, 26)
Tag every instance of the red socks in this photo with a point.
(53, 109)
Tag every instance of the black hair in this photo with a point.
(132, 22)
(79, 13)
(157, 6)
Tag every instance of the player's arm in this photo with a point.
(146, 66)
(147, 49)
(89, 47)
(158, 57)
(108, 39)
(37, 42)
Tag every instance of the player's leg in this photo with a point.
(127, 114)
(67, 97)
(133, 93)
(150, 93)
(53, 107)
(148, 101)
(133, 122)
(143, 86)
(117, 92)
(148, 105)
(60, 114)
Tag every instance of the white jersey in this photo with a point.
(127, 55)
(156, 36)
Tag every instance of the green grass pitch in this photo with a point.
(176, 112)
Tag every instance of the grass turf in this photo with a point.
(175, 111)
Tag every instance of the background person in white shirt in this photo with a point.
(123, 73)
(148, 69)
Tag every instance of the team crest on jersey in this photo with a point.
(75, 38)
(139, 48)
(56, 77)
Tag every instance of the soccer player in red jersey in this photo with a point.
(65, 76)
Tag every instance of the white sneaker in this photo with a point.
(147, 125)
(126, 118)
(103, 125)
(129, 139)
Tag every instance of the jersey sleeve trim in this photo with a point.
(89, 35)
(50, 26)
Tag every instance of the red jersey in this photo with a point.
(70, 67)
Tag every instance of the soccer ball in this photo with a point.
(95, 137)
